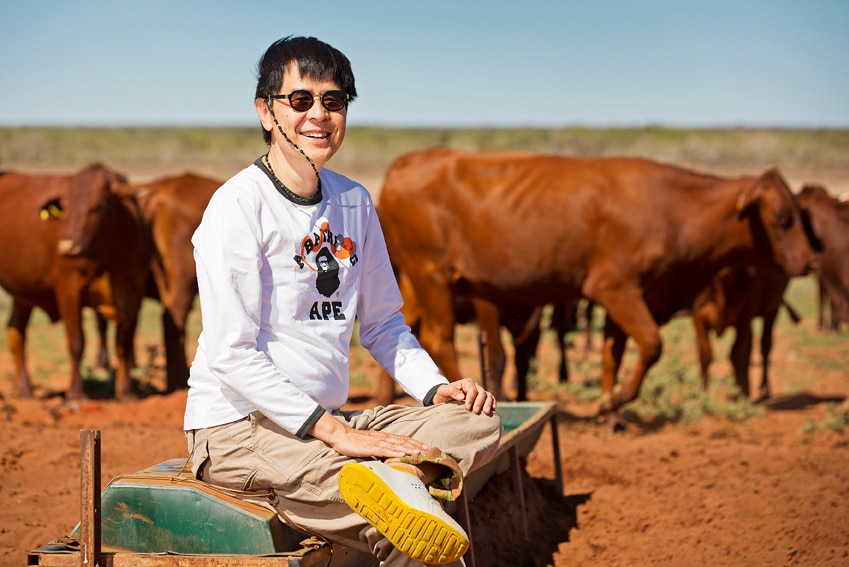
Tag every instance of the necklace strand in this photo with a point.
(285, 190)
(294, 145)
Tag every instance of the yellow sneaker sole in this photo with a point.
(419, 535)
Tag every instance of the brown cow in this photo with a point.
(173, 207)
(639, 238)
(71, 241)
(829, 221)
(737, 296)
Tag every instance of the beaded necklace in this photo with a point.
(288, 193)
(294, 145)
(285, 191)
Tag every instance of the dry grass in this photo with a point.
(143, 153)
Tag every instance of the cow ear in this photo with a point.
(52, 209)
(752, 194)
(116, 179)
(749, 196)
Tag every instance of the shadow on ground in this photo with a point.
(498, 534)
(802, 400)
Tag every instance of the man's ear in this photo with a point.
(263, 110)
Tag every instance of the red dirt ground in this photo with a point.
(713, 492)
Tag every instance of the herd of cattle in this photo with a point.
(487, 236)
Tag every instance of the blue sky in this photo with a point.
(441, 63)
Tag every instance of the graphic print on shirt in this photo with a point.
(325, 253)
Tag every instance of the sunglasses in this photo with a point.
(301, 101)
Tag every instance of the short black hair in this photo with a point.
(315, 59)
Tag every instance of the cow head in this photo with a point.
(775, 222)
(90, 201)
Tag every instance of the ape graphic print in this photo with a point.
(325, 253)
(328, 273)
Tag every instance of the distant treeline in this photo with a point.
(220, 151)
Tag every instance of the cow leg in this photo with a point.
(524, 353)
(837, 310)
(766, 349)
(431, 289)
(705, 350)
(103, 342)
(612, 353)
(589, 307)
(124, 337)
(488, 320)
(741, 352)
(16, 335)
(524, 326)
(177, 288)
(627, 315)
(174, 337)
(613, 349)
(437, 332)
(71, 312)
(565, 319)
(385, 393)
(129, 304)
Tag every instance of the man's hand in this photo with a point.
(473, 396)
(358, 443)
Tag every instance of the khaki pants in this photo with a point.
(254, 454)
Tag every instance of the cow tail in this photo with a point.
(794, 315)
(531, 325)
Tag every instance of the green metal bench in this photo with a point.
(163, 516)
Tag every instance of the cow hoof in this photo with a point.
(613, 422)
(605, 405)
(75, 396)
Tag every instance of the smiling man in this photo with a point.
(289, 256)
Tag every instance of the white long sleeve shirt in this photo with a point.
(282, 281)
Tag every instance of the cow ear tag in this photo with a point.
(51, 210)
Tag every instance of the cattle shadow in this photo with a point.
(625, 420)
(630, 419)
(96, 386)
(99, 384)
(798, 401)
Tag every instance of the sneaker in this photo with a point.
(399, 505)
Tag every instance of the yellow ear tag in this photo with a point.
(44, 214)
(741, 201)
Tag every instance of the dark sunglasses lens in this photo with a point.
(334, 101)
(301, 100)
